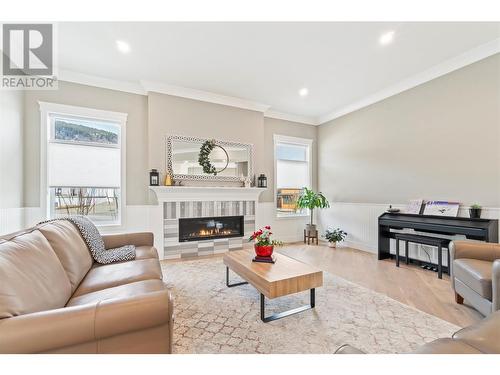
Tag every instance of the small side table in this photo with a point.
(310, 235)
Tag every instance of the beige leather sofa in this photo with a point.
(475, 274)
(480, 338)
(55, 299)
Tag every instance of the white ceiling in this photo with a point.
(340, 63)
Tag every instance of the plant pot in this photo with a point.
(310, 228)
(332, 244)
(264, 251)
(475, 213)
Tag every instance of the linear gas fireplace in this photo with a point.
(204, 228)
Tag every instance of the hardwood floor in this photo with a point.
(408, 284)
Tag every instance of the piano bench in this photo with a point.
(424, 240)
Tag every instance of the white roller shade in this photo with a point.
(292, 174)
(72, 165)
(287, 151)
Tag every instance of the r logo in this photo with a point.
(27, 49)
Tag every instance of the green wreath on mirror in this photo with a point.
(204, 157)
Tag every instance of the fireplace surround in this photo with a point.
(180, 202)
(206, 228)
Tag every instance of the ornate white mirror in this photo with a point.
(190, 158)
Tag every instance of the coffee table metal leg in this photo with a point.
(235, 284)
(288, 312)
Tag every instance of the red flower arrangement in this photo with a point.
(264, 246)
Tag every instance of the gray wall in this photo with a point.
(11, 149)
(173, 115)
(440, 140)
(150, 119)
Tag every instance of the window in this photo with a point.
(292, 172)
(84, 157)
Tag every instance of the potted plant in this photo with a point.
(334, 235)
(311, 200)
(263, 245)
(475, 211)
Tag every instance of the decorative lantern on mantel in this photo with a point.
(262, 181)
(154, 178)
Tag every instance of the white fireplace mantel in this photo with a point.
(205, 193)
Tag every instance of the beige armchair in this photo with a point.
(475, 274)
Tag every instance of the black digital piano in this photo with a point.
(474, 229)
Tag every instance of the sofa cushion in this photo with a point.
(474, 273)
(111, 275)
(69, 246)
(32, 277)
(122, 291)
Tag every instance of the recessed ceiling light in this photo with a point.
(122, 46)
(386, 38)
(303, 91)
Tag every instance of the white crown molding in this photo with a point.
(64, 109)
(204, 96)
(478, 53)
(96, 81)
(290, 117)
(144, 87)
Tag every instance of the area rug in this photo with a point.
(211, 318)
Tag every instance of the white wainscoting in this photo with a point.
(11, 220)
(360, 221)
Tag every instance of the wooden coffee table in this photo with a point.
(286, 276)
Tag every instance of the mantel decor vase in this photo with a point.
(264, 251)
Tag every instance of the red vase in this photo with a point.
(264, 251)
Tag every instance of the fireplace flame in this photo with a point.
(211, 232)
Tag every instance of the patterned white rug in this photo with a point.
(211, 318)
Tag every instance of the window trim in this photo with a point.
(46, 110)
(277, 138)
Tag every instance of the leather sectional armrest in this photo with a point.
(53, 329)
(117, 316)
(475, 250)
(112, 241)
